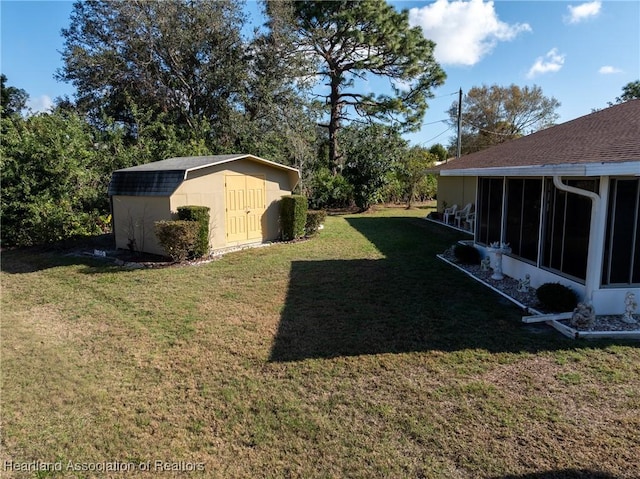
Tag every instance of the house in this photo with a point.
(242, 192)
(567, 201)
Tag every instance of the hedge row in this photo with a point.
(178, 238)
(200, 214)
(293, 216)
(187, 237)
(314, 219)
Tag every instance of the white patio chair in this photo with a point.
(449, 213)
(471, 221)
(462, 215)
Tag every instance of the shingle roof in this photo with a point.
(611, 135)
(183, 163)
(162, 178)
(145, 183)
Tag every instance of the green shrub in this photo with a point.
(466, 254)
(293, 216)
(314, 219)
(557, 297)
(52, 178)
(330, 191)
(178, 238)
(201, 215)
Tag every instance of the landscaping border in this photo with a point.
(552, 320)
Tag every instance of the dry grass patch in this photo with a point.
(342, 356)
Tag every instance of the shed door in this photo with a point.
(245, 196)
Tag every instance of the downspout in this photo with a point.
(503, 211)
(594, 255)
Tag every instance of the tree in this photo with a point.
(275, 119)
(630, 91)
(411, 170)
(181, 72)
(370, 152)
(439, 151)
(357, 40)
(50, 182)
(493, 115)
(13, 100)
(182, 59)
(56, 168)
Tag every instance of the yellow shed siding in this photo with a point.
(205, 190)
(206, 187)
(134, 218)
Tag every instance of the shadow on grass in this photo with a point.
(409, 301)
(23, 262)
(32, 259)
(76, 251)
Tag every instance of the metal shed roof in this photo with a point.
(162, 178)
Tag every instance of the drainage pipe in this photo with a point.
(596, 241)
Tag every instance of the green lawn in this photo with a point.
(354, 354)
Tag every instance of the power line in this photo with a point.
(440, 134)
(434, 122)
(446, 94)
(487, 131)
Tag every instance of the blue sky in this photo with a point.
(581, 53)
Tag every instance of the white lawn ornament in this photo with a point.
(498, 249)
(524, 284)
(485, 264)
(584, 316)
(630, 305)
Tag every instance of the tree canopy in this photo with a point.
(371, 152)
(411, 170)
(50, 179)
(495, 114)
(352, 41)
(630, 91)
(274, 118)
(182, 58)
(13, 100)
(439, 151)
(153, 80)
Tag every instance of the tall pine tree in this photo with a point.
(354, 41)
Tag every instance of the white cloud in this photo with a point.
(402, 85)
(464, 32)
(608, 70)
(40, 104)
(583, 11)
(551, 62)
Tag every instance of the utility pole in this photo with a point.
(458, 151)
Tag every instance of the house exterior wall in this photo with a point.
(517, 268)
(206, 187)
(605, 299)
(134, 218)
(458, 190)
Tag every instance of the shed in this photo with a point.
(241, 190)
